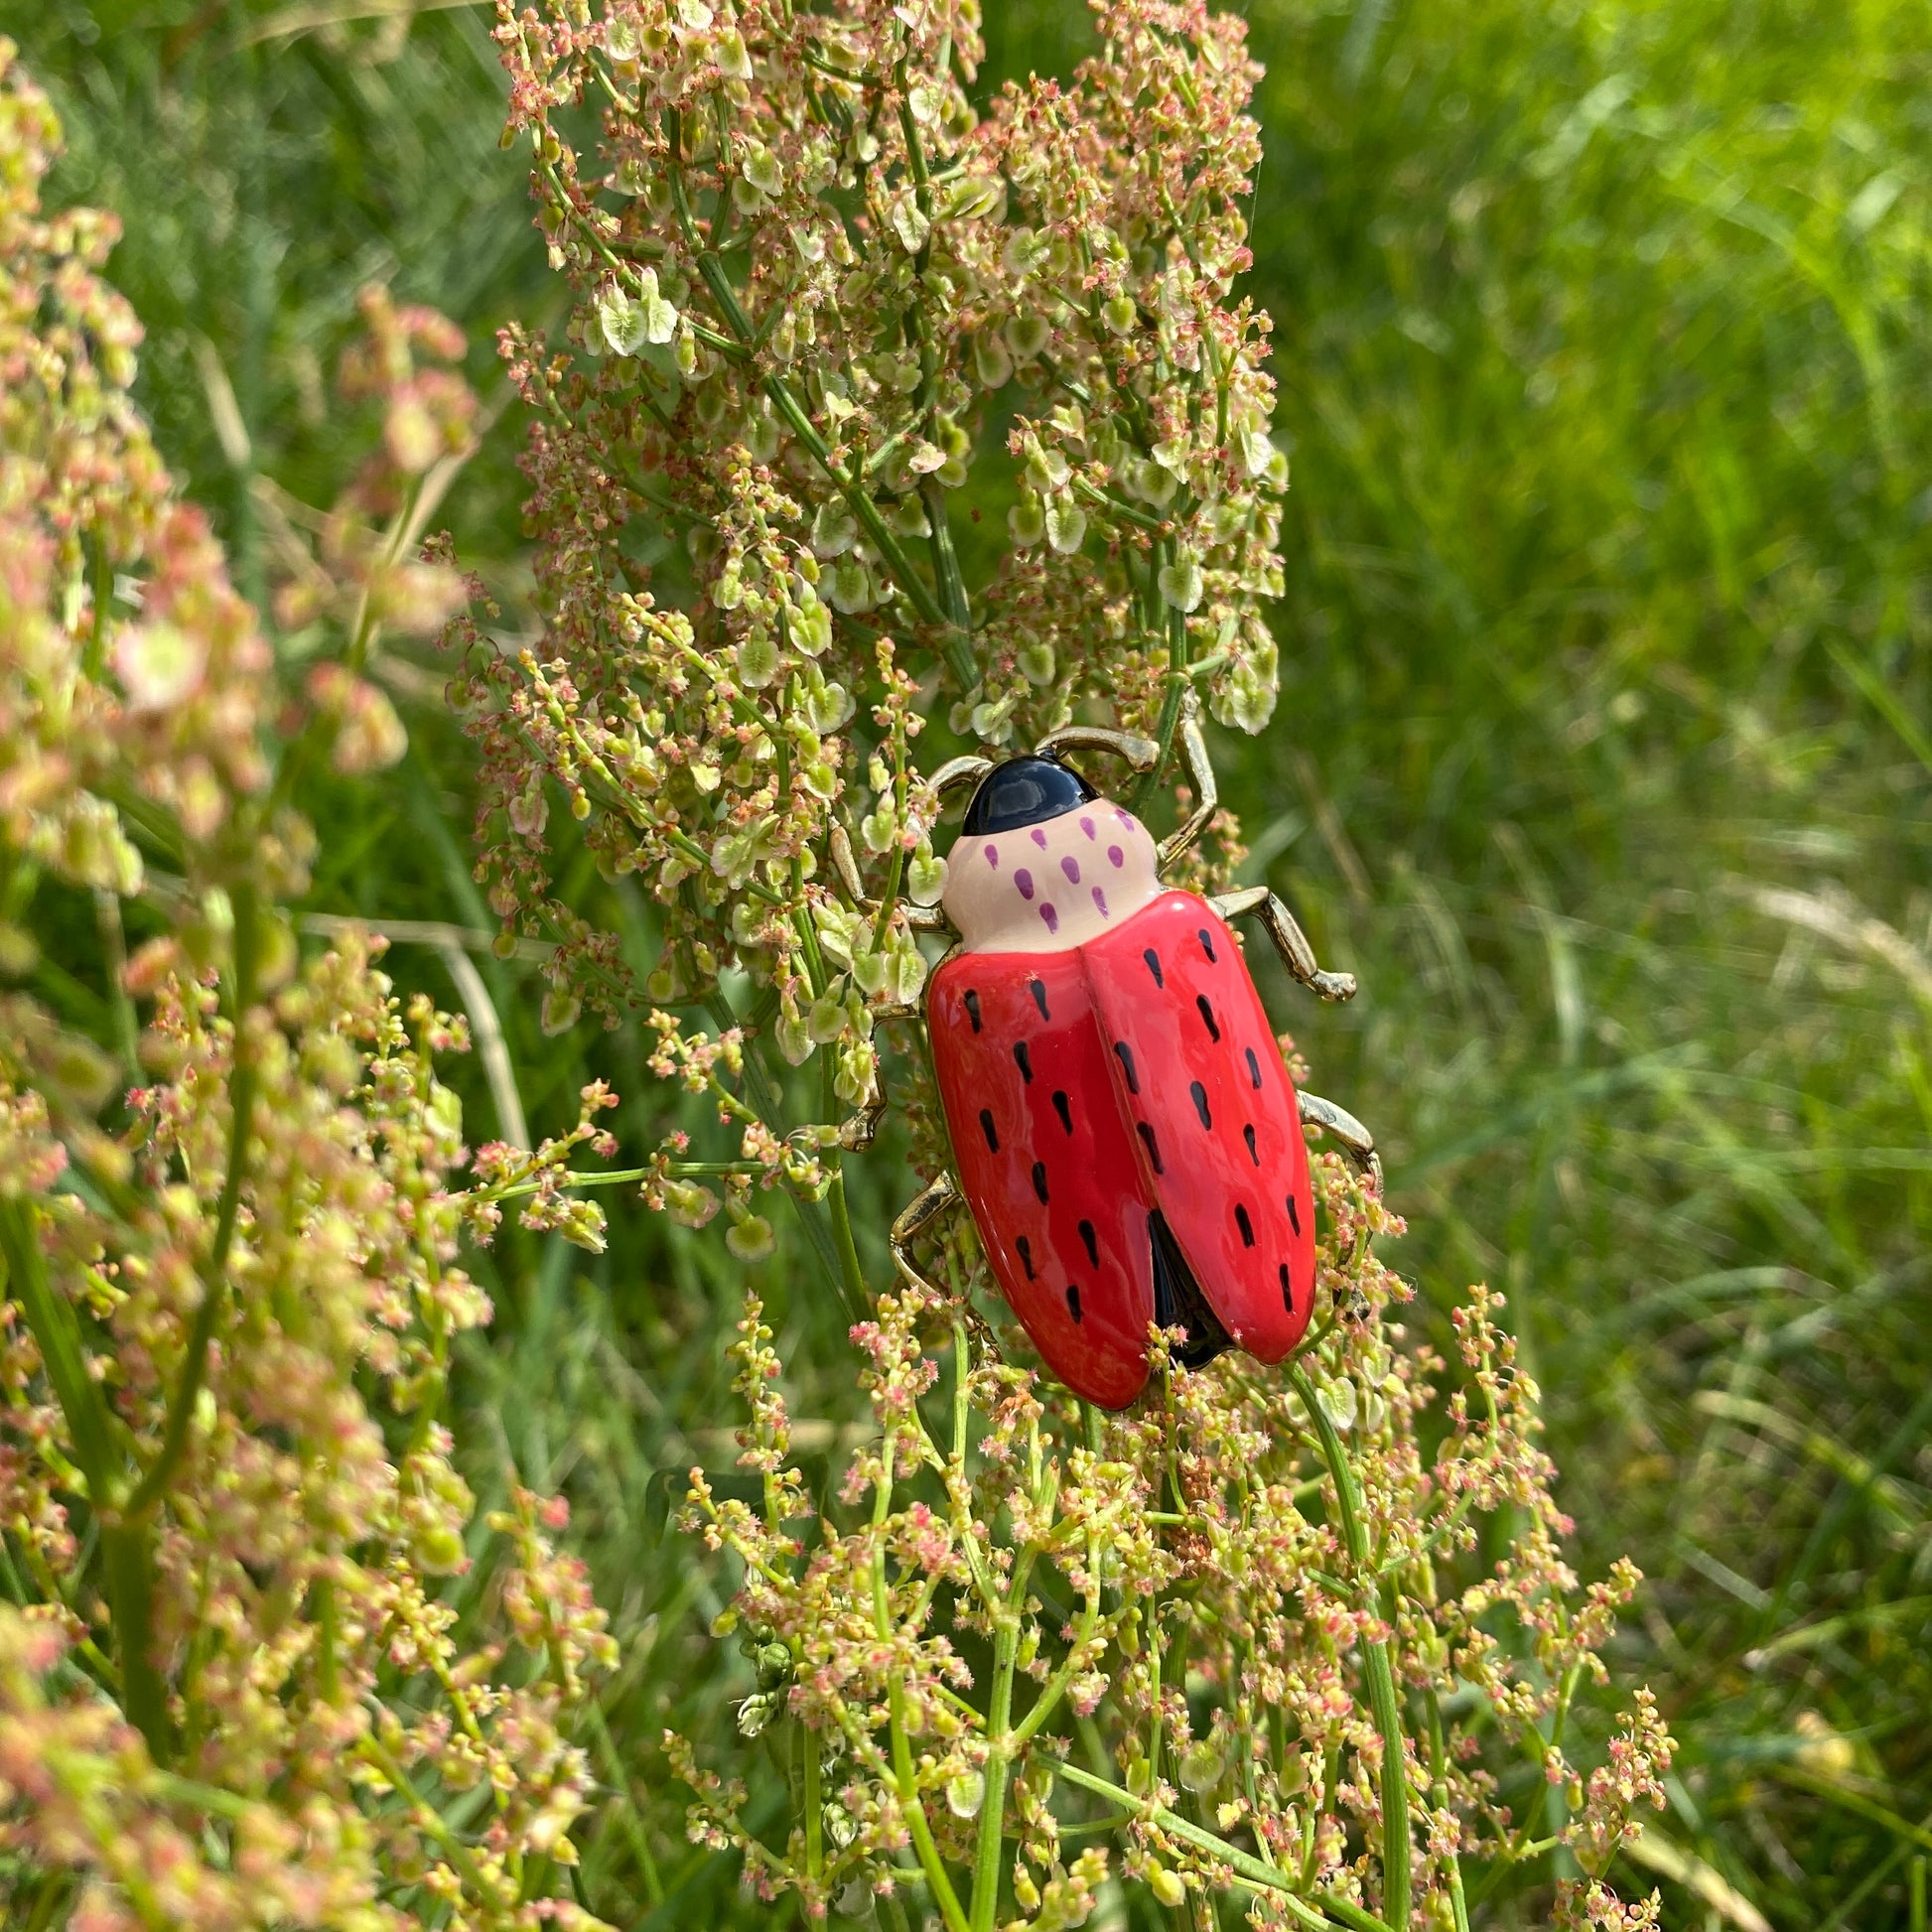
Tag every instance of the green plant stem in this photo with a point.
(957, 648)
(848, 1252)
(127, 1559)
(904, 1777)
(242, 1108)
(1157, 1736)
(1251, 1870)
(932, 494)
(1054, 1688)
(999, 1763)
(433, 1822)
(945, 565)
(51, 1318)
(50, 1895)
(757, 1082)
(916, 1821)
(1117, 507)
(896, 865)
(1164, 734)
(113, 949)
(1439, 1797)
(1376, 1666)
(623, 1176)
(814, 1802)
(1835, 1793)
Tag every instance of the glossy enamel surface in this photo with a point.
(1088, 1086)
(1054, 885)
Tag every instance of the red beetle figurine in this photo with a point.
(1124, 1130)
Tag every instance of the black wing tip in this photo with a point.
(1178, 1300)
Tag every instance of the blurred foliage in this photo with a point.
(1602, 758)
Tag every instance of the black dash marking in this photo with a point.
(973, 1008)
(1294, 1215)
(1152, 1152)
(1254, 1068)
(1248, 1134)
(1026, 1066)
(1288, 1298)
(1206, 939)
(1205, 1008)
(1092, 1243)
(1153, 959)
(1061, 1108)
(1025, 1248)
(1037, 987)
(1073, 1300)
(1126, 1053)
(986, 1127)
(1246, 1226)
(1201, 1102)
(1039, 1180)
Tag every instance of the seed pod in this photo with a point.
(965, 1794)
(1201, 1767)
(1167, 1886)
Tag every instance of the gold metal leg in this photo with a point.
(968, 770)
(857, 1129)
(1200, 774)
(1290, 940)
(922, 918)
(1355, 1138)
(1138, 753)
(914, 1223)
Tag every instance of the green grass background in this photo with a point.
(1602, 758)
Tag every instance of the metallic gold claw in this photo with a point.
(1353, 1138)
(913, 1220)
(924, 1210)
(859, 1127)
(1298, 955)
(922, 918)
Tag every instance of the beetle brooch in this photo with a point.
(1124, 1131)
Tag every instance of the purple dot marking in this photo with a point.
(1071, 867)
(1052, 918)
(1100, 901)
(1086, 825)
(1116, 856)
(993, 857)
(1126, 818)
(1039, 837)
(1024, 881)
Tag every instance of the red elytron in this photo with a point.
(1125, 1131)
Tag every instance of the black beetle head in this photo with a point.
(1026, 791)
